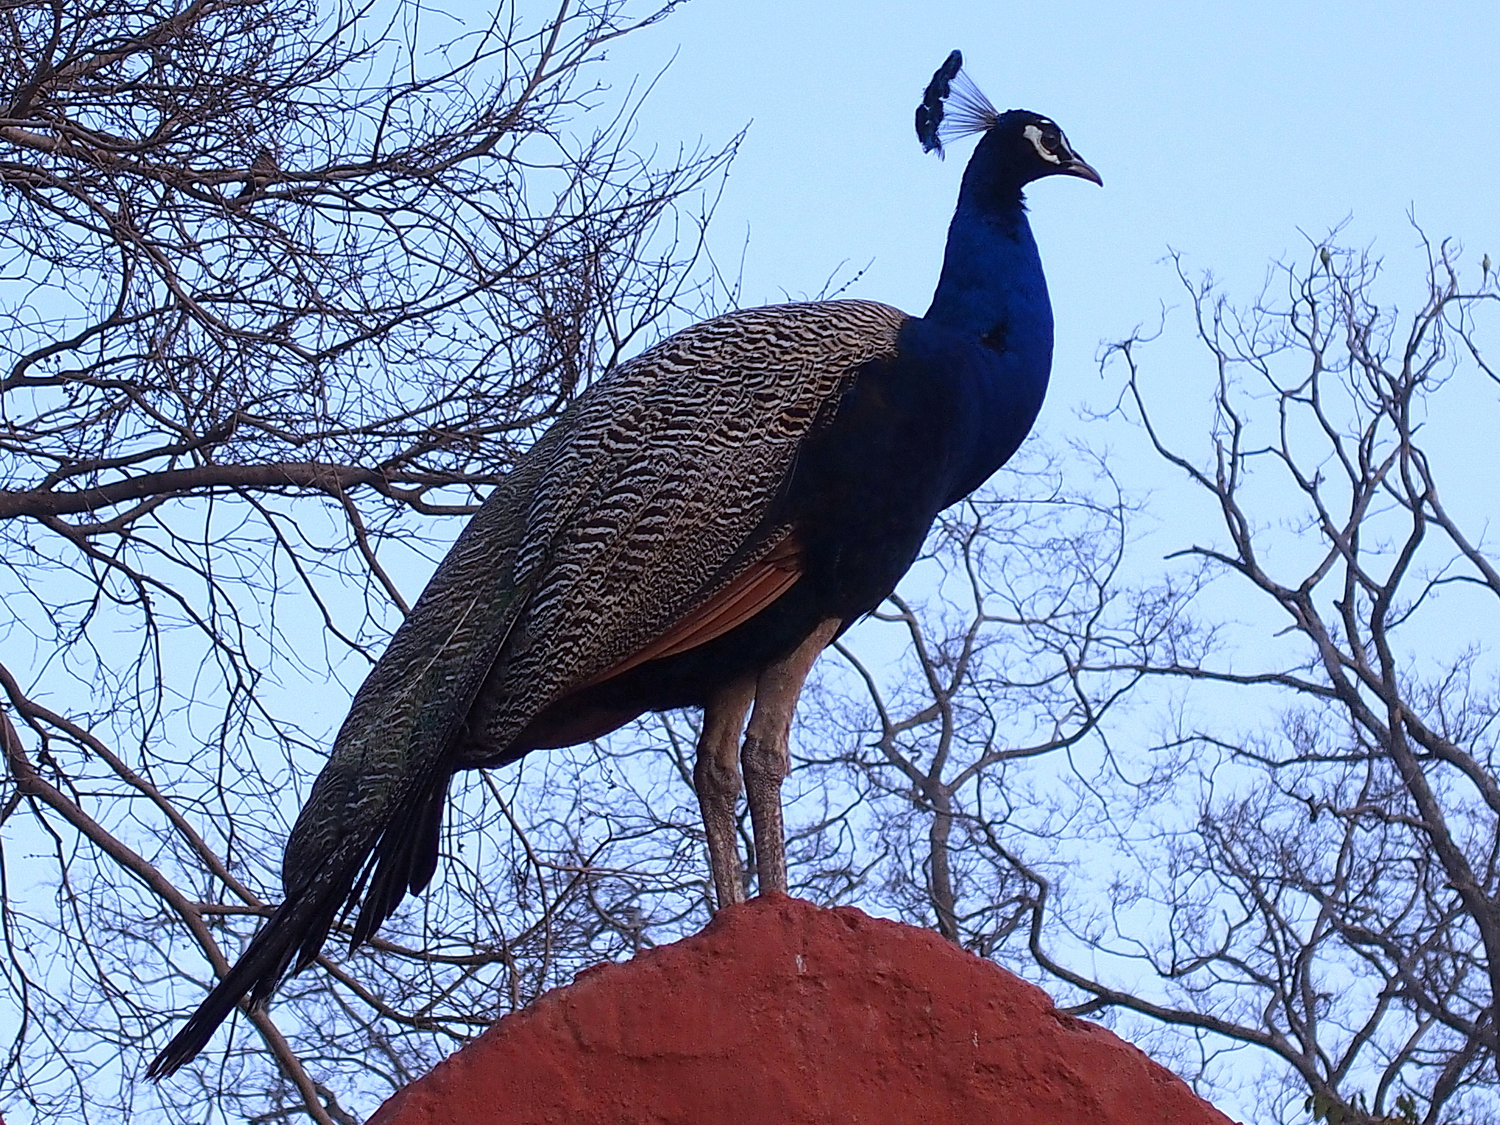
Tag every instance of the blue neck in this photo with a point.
(987, 339)
(992, 288)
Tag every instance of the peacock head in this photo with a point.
(1018, 146)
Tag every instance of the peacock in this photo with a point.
(692, 532)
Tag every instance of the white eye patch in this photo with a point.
(1034, 135)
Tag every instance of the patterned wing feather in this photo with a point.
(658, 497)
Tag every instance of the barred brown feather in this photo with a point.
(667, 471)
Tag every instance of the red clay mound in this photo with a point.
(787, 1014)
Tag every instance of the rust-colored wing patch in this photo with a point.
(752, 591)
(578, 716)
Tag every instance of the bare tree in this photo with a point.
(284, 282)
(1352, 893)
(1293, 885)
(287, 286)
(1013, 651)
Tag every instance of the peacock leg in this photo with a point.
(766, 758)
(716, 777)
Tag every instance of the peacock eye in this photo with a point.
(1046, 138)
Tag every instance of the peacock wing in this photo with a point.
(659, 498)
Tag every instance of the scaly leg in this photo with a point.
(766, 758)
(716, 777)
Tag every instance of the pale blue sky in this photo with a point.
(1220, 128)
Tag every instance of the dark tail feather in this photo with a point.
(404, 857)
(296, 923)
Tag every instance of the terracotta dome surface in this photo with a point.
(784, 1012)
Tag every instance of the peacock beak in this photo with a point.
(1080, 168)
